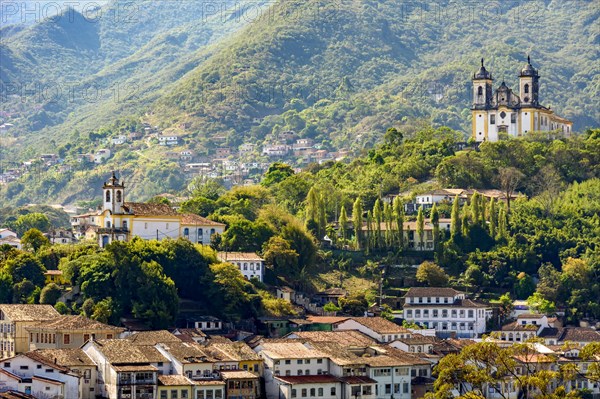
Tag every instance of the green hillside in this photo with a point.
(352, 68)
(74, 72)
(338, 72)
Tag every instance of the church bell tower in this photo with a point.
(482, 89)
(529, 85)
(113, 195)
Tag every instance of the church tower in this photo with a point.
(529, 86)
(113, 195)
(482, 88)
(482, 102)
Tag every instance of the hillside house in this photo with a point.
(250, 264)
(14, 319)
(446, 310)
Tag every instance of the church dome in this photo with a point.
(529, 70)
(483, 73)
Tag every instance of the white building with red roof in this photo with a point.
(119, 220)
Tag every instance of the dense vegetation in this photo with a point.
(551, 233)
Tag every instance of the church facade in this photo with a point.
(502, 111)
(118, 220)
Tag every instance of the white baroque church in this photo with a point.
(119, 220)
(503, 111)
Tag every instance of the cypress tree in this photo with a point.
(475, 209)
(377, 219)
(455, 229)
(420, 225)
(399, 216)
(322, 217)
(388, 216)
(492, 217)
(464, 220)
(357, 220)
(435, 222)
(343, 222)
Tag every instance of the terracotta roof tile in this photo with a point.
(308, 379)
(239, 256)
(192, 219)
(121, 351)
(290, 349)
(69, 322)
(348, 338)
(431, 292)
(174, 380)
(28, 312)
(238, 374)
(238, 351)
(381, 325)
(65, 357)
(145, 209)
(152, 337)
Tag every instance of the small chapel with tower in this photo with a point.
(503, 111)
(118, 220)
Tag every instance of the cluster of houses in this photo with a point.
(48, 355)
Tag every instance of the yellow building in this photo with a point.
(175, 387)
(68, 331)
(14, 338)
(119, 220)
(240, 352)
(504, 112)
(56, 277)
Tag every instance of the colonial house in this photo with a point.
(14, 319)
(120, 221)
(68, 332)
(447, 196)
(250, 265)
(378, 328)
(175, 387)
(61, 236)
(446, 310)
(528, 326)
(190, 335)
(189, 359)
(241, 353)
(293, 359)
(413, 240)
(240, 384)
(36, 376)
(126, 370)
(77, 362)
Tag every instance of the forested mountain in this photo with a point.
(83, 68)
(340, 73)
(342, 70)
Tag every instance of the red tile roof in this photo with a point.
(144, 209)
(308, 379)
(192, 219)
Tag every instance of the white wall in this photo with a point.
(25, 367)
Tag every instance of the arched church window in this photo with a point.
(119, 196)
(186, 232)
(480, 91)
(107, 196)
(526, 88)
